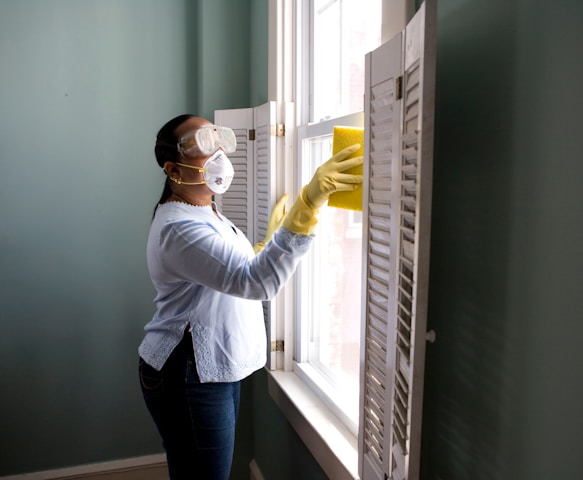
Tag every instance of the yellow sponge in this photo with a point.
(344, 137)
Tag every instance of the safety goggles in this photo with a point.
(206, 140)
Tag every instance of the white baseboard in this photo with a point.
(254, 472)
(103, 470)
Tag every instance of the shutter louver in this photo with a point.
(235, 203)
(263, 180)
(397, 271)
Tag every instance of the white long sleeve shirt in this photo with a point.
(207, 277)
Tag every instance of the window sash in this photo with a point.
(325, 382)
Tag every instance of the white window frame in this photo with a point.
(285, 74)
(306, 128)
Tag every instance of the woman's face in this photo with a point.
(189, 125)
(189, 174)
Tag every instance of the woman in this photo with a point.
(208, 331)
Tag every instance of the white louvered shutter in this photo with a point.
(238, 202)
(251, 197)
(264, 167)
(382, 112)
(399, 109)
(265, 138)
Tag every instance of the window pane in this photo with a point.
(334, 285)
(343, 32)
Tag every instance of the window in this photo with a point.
(330, 286)
(342, 32)
(379, 436)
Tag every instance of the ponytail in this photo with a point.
(166, 150)
(166, 194)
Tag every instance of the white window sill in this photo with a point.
(333, 446)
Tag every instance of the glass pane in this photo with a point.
(344, 31)
(334, 287)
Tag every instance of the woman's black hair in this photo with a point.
(166, 151)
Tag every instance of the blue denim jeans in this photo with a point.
(196, 420)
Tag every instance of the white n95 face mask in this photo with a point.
(217, 172)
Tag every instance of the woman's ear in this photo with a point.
(172, 170)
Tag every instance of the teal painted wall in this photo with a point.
(278, 450)
(84, 87)
(224, 55)
(258, 74)
(504, 385)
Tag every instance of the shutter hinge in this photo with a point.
(278, 130)
(277, 346)
(252, 134)
(399, 87)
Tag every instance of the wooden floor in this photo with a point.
(149, 473)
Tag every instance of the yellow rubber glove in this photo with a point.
(329, 178)
(278, 213)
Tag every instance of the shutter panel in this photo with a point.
(265, 199)
(237, 203)
(249, 200)
(264, 167)
(382, 114)
(399, 112)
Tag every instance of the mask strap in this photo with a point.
(180, 182)
(200, 169)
